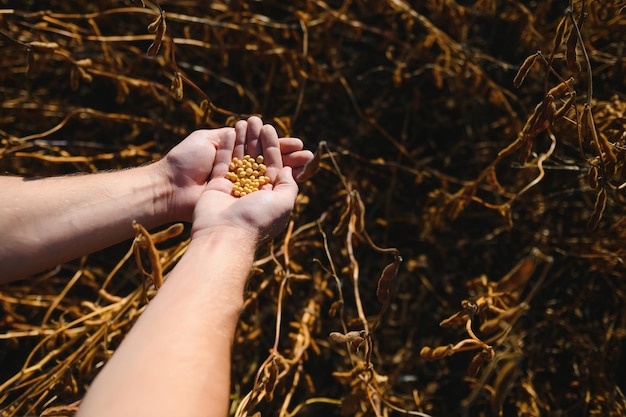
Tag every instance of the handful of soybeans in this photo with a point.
(247, 174)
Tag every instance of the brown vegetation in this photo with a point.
(459, 250)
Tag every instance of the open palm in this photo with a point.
(263, 213)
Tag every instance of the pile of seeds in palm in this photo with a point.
(247, 175)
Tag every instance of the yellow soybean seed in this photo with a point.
(247, 175)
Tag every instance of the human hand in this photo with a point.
(261, 214)
(188, 165)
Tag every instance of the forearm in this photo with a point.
(176, 359)
(45, 222)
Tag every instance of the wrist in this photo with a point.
(166, 201)
(243, 238)
(218, 254)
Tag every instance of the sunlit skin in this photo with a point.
(176, 358)
(186, 369)
(48, 221)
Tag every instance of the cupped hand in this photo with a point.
(189, 165)
(291, 149)
(262, 214)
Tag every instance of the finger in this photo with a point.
(271, 151)
(297, 159)
(289, 145)
(241, 128)
(224, 155)
(253, 133)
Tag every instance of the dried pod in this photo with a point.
(518, 275)
(598, 210)
(160, 26)
(560, 88)
(507, 373)
(562, 111)
(177, 86)
(503, 320)
(271, 378)
(205, 106)
(479, 359)
(171, 232)
(61, 410)
(468, 309)
(610, 159)
(85, 62)
(358, 211)
(456, 320)
(387, 280)
(524, 69)
(46, 47)
(143, 241)
(355, 344)
(154, 26)
(336, 305)
(337, 337)
(313, 165)
(560, 31)
(593, 176)
(541, 117)
(439, 352)
(525, 149)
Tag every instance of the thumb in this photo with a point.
(285, 184)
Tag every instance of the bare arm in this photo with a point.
(176, 358)
(44, 222)
(53, 220)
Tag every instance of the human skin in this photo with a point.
(48, 221)
(176, 358)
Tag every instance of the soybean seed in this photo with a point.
(247, 175)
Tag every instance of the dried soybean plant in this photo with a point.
(81, 338)
(562, 114)
(284, 369)
(447, 159)
(489, 318)
(568, 130)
